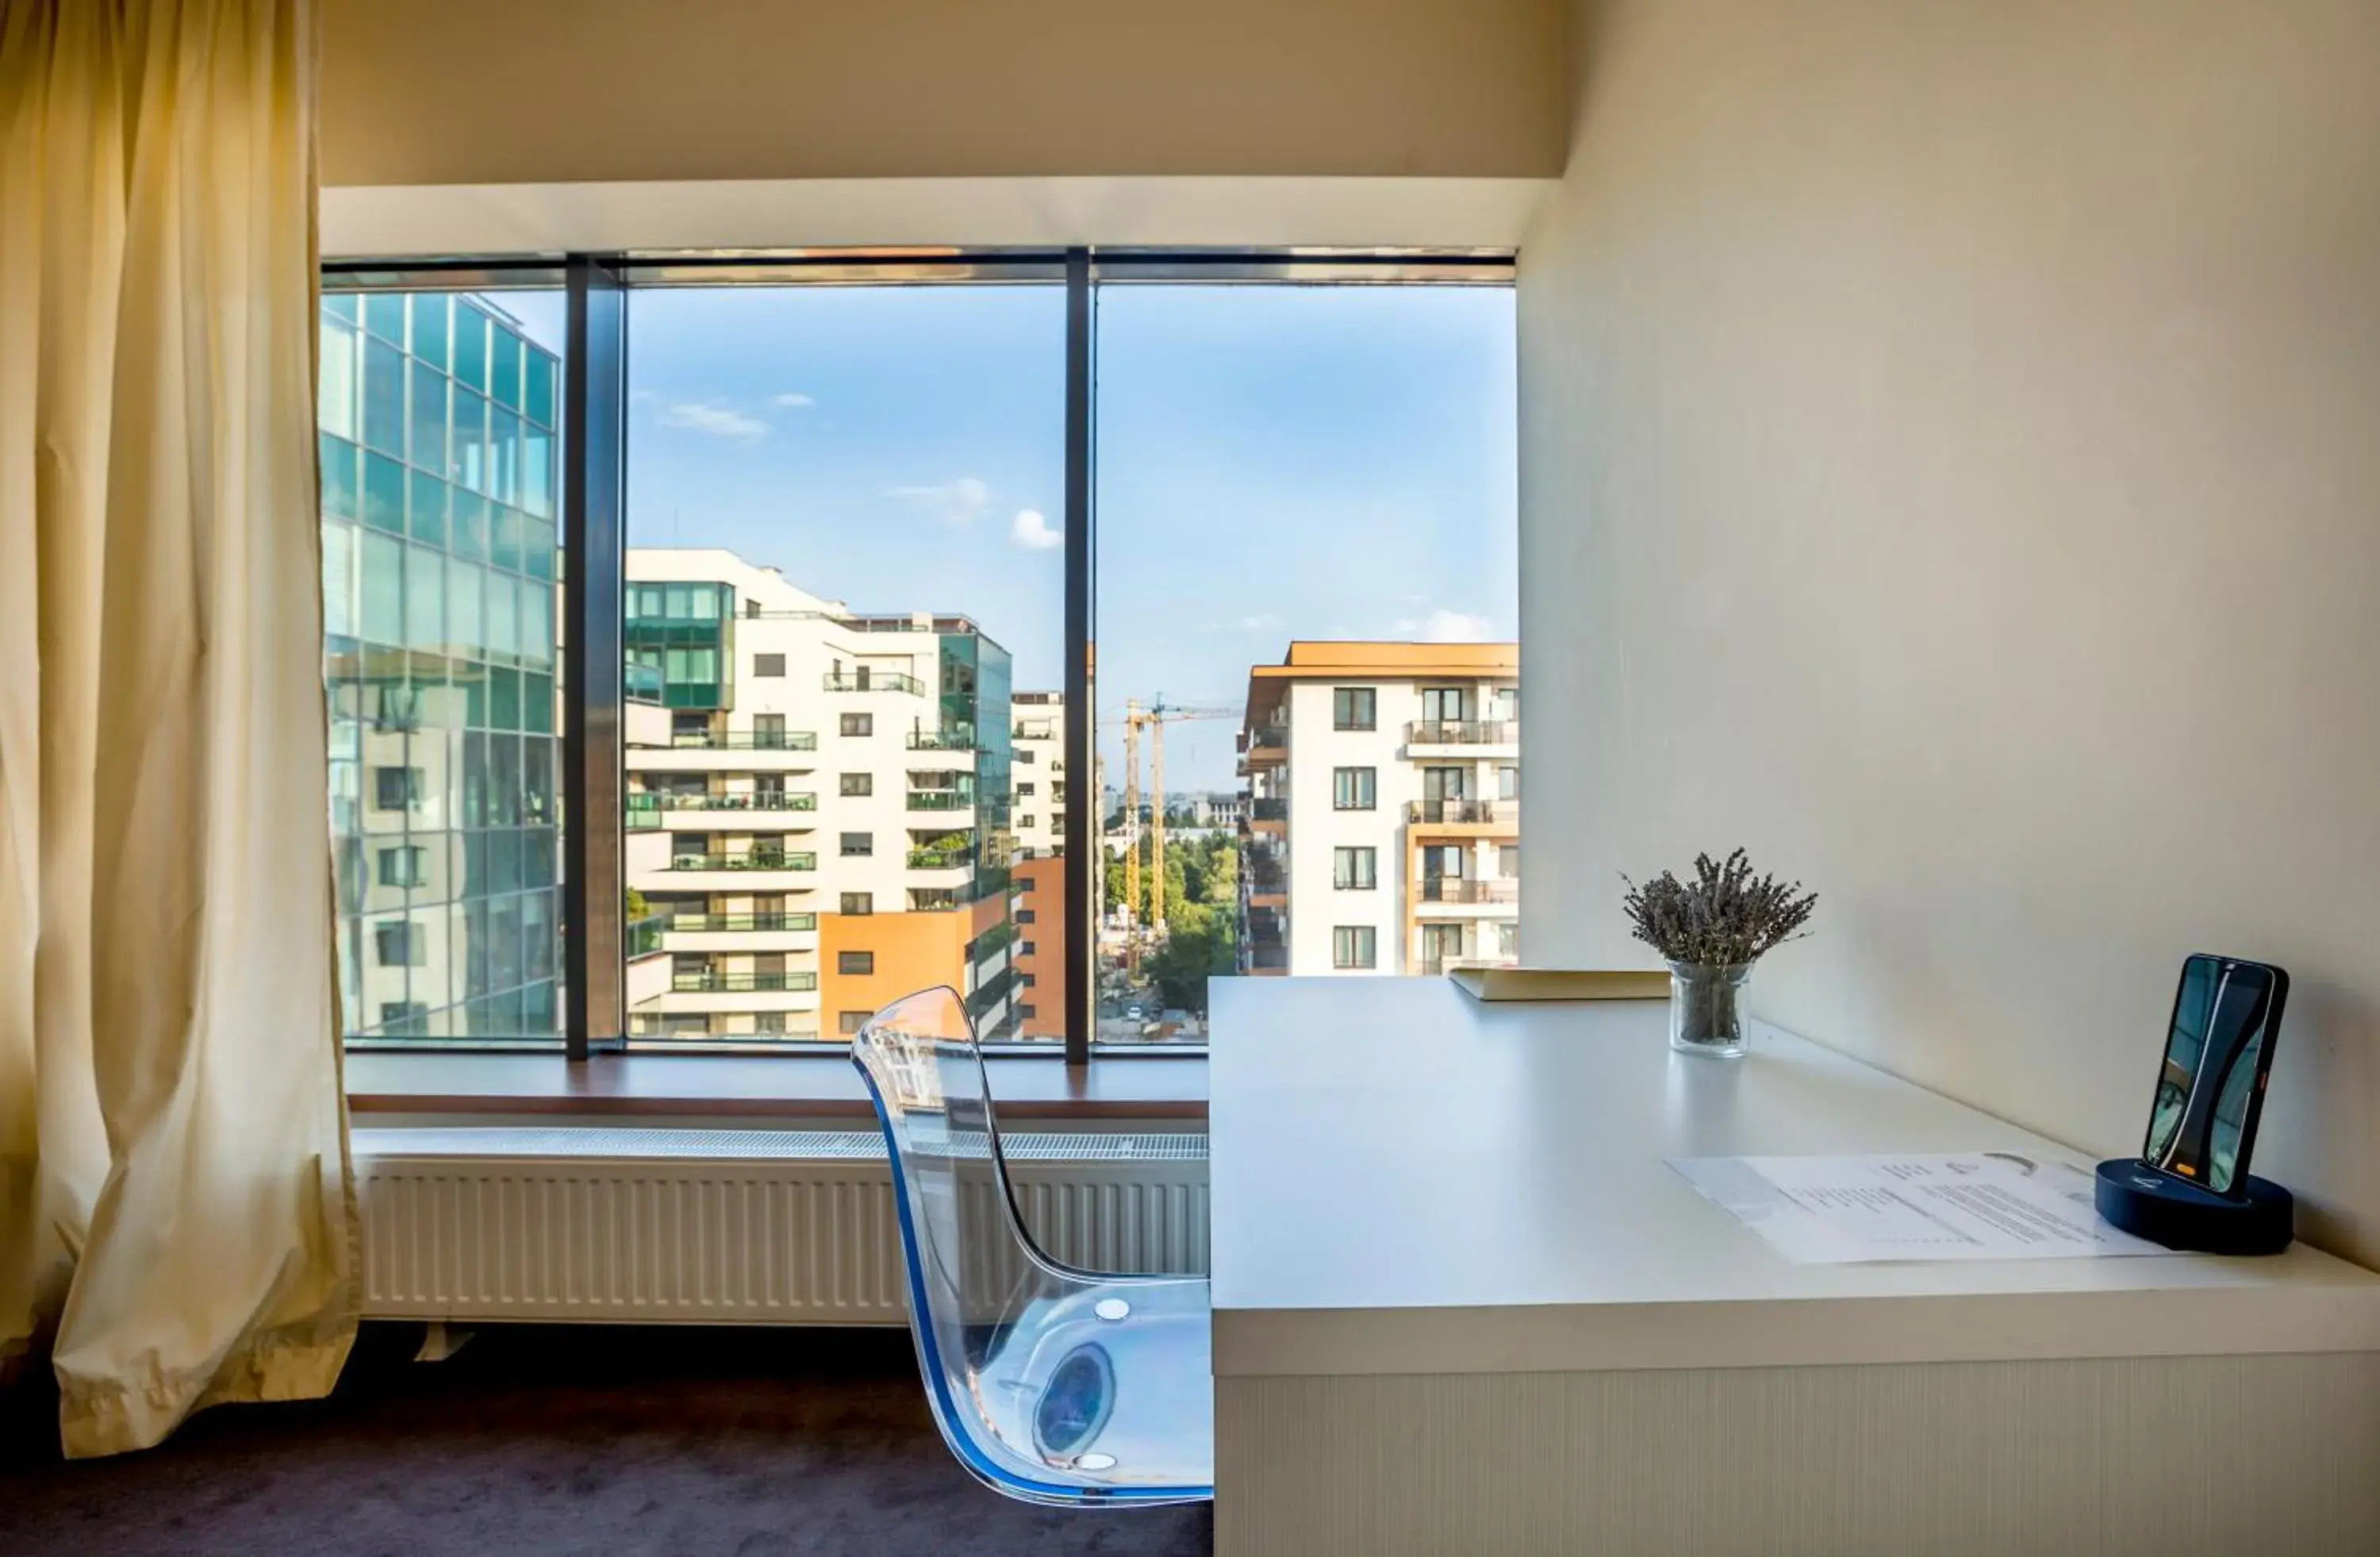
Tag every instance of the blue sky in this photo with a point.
(1272, 462)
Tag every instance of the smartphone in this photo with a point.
(2217, 1052)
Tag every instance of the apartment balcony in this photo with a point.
(1268, 814)
(1033, 730)
(873, 681)
(1263, 748)
(792, 751)
(941, 859)
(1485, 816)
(992, 993)
(741, 932)
(647, 974)
(709, 990)
(942, 800)
(700, 813)
(961, 739)
(739, 872)
(1464, 738)
(1467, 897)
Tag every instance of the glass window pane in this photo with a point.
(470, 363)
(337, 390)
(539, 399)
(445, 867)
(504, 371)
(1361, 440)
(339, 480)
(384, 494)
(426, 444)
(509, 523)
(467, 446)
(504, 455)
(792, 449)
(384, 589)
(425, 594)
(384, 397)
(427, 520)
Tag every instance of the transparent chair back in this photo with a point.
(1051, 1385)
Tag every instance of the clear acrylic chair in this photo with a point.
(1051, 1385)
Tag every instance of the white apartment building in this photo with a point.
(1037, 750)
(1383, 831)
(835, 804)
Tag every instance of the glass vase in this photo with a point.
(1707, 1008)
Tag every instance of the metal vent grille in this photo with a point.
(725, 1226)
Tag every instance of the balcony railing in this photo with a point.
(752, 800)
(1462, 731)
(1269, 739)
(704, 924)
(1469, 889)
(959, 739)
(644, 936)
(738, 740)
(757, 860)
(991, 991)
(992, 939)
(1033, 730)
(1468, 811)
(1268, 956)
(1275, 808)
(873, 681)
(710, 981)
(941, 859)
(941, 799)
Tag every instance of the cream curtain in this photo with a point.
(177, 1209)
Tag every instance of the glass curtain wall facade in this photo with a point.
(440, 474)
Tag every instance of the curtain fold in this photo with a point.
(176, 1205)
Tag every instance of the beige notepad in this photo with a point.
(1560, 983)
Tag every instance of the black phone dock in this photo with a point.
(2170, 1211)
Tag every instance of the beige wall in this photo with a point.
(498, 92)
(1950, 467)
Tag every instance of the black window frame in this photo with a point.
(1366, 880)
(1366, 938)
(593, 419)
(1346, 698)
(1369, 784)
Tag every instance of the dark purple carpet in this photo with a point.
(540, 1442)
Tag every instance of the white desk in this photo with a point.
(1462, 1305)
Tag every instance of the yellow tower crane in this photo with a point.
(1155, 717)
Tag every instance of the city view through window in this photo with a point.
(844, 649)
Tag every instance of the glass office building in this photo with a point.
(440, 466)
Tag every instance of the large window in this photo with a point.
(441, 459)
(1168, 594)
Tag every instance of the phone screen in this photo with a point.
(2213, 1058)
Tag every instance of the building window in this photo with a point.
(768, 666)
(1354, 870)
(1024, 915)
(397, 789)
(404, 864)
(1354, 789)
(857, 724)
(1025, 754)
(858, 845)
(769, 1023)
(1355, 708)
(1354, 945)
(1445, 705)
(1508, 862)
(855, 964)
(400, 944)
(1025, 789)
(1025, 821)
(1507, 781)
(1029, 883)
(1024, 948)
(853, 784)
(859, 903)
(769, 732)
(1025, 1012)
(849, 1022)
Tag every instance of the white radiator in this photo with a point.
(724, 1227)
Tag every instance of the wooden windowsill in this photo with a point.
(760, 1085)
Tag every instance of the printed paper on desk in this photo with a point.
(1973, 1205)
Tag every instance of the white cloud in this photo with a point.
(792, 400)
(715, 419)
(1032, 531)
(1447, 626)
(959, 502)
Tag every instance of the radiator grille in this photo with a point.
(724, 1227)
